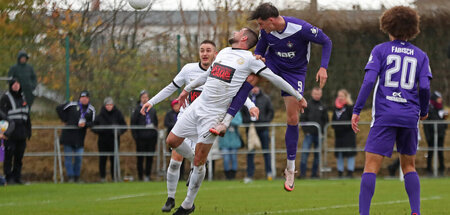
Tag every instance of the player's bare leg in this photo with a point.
(412, 182)
(173, 175)
(236, 104)
(291, 139)
(371, 167)
(198, 174)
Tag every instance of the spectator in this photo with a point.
(24, 73)
(315, 112)
(109, 115)
(345, 137)
(229, 144)
(436, 112)
(262, 101)
(81, 114)
(171, 116)
(14, 105)
(146, 139)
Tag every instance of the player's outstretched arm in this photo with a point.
(163, 94)
(201, 80)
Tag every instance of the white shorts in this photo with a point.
(195, 123)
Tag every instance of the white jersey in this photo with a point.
(227, 74)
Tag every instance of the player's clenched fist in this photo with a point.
(145, 108)
(254, 112)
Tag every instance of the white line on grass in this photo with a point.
(338, 206)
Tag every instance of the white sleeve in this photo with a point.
(249, 104)
(280, 83)
(163, 94)
(201, 80)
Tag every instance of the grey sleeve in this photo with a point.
(280, 83)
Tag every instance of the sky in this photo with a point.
(281, 4)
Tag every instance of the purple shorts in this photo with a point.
(296, 80)
(381, 140)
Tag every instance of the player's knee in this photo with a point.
(174, 166)
(292, 120)
(252, 79)
(176, 156)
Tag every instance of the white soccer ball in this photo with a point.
(139, 4)
(3, 126)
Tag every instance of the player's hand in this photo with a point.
(424, 117)
(182, 98)
(3, 137)
(355, 120)
(302, 104)
(259, 57)
(322, 77)
(254, 112)
(145, 108)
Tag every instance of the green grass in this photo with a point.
(222, 197)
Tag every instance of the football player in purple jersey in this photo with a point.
(401, 75)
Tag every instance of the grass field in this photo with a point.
(222, 197)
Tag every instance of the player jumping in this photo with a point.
(396, 68)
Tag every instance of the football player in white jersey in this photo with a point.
(190, 72)
(221, 83)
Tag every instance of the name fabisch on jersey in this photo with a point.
(407, 51)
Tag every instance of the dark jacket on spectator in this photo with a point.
(13, 104)
(262, 101)
(315, 112)
(11, 124)
(433, 114)
(138, 119)
(105, 118)
(70, 114)
(170, 119)
(344, 135)
(24, 73)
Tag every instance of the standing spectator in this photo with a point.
(5, 134)
(229, 144)
(262, 101)
(345, 137)
(81, 114)
(146, 139)
(436, 112)
(24, 73)
(315, 112)
(14, 105)
(171, 116)
(109, 115)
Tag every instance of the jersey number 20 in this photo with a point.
(406, 62)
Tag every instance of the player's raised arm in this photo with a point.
(261, 46)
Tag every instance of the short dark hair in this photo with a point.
(208, 42)
(264, 11)
(252, 38)
(401, 22)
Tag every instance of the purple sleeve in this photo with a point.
(316, 35)
(261, 46)
(424, 87)
(367, 86)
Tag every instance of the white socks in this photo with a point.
(290, 165)
(227, 120)
(186, 151)
(197, 176)
(173, 174)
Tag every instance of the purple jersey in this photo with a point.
(399, 66)
(289, 50)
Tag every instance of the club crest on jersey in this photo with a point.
(222, 72)
(315, 31)
(240, 61)
(290, 44)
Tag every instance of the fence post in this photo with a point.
(435, 151)
(319, 132)
(55, 158)
(163, 145)
(58, 152)
(272, 152)
(158, 150)
(116, 157)
(210, 168)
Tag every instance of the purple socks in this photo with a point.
(366, 192)
(291, 140)
(412, 187)
(239, 99)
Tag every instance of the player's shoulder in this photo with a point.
(191, 66)
(294, 20)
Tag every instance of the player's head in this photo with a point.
(400, 22)
(316, 93)
(265, 15)
(246, 38)
(344, 97)
(207, 52)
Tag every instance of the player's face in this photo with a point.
(144, 98)
(316, 94)
(207, 54)
(266, 25)
(237, 36)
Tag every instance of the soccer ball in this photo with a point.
(139, 4)
(3, 126)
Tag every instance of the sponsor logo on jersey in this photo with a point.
(286, 54)
(222, 72)
(290, 44)
(396, 97)
(370, 59)
(194, 94)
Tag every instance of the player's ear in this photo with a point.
(244, 38)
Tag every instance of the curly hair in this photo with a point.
(401, 22)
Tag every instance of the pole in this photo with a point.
(67, 68)
(178, 57)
